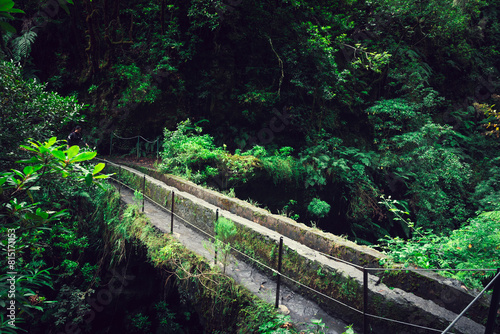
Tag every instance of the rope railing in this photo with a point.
(138, 145)
(274, 271)
(344, 261)
(472, 302)
(429, 269)
(141, 137)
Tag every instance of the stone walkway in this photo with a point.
(301, 310)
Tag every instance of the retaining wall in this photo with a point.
(340, 281)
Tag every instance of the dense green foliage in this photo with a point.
(324, 104)
(195, 156)
(45, 239)
(29, 111)
(474, 245)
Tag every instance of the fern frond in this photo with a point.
(22, 44)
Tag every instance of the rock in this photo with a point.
(283, 310)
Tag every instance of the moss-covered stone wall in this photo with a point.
(330, 281)
(224, 306)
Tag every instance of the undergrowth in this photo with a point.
(224, 304)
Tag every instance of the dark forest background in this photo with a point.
(367, 118)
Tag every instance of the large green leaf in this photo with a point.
(59, 155)
(28, 170)
(6, 5)
(7, 27)
(84, 156)
(88, 179)
(72, 151)
(51, 141)
(99, 167)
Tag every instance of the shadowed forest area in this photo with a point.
(375, 120)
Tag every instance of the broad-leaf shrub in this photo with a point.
(138, 87)
(438, 178)
(188, 153)
(318, 208)
(29, 111)
(476, 245)
(487, 192)
(392, 117)
(281, 166)
(40, 222)
(348, 171)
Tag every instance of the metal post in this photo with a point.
(172, 215)
(111, 144)
(495, 299)
(157, 147)
(119, 179)
(487, 287)
(280, 254)
(365, 300)
(138, 143)
(143, 191)
(215, 234)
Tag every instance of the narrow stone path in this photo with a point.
(301, 310)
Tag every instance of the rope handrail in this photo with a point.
(194, 226)
(347, 262)
(139, 136)
(243, 254)
(471, 303)
(332, 257)
(403, 323)
(114, 134)
(429, 269)
(153, 141)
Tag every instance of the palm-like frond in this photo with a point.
(22, 44)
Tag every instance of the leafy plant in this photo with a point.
(167, 318)
(22, 45)
(6, 9)
(138, 197)
(140, 323)
(318, 208)
(436, 174)
(288, 212)
(277, 325)
(69, 267)
(326, 161)
(317, 326)
(139, 87)
(69, 307)
(26, 216)
(474, 245)
(29, 111)
(186, 150)
(349, 330)
(225, 230)
(391, 117)
(195, 156)
(89, 272)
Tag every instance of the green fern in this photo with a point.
(22, 44)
